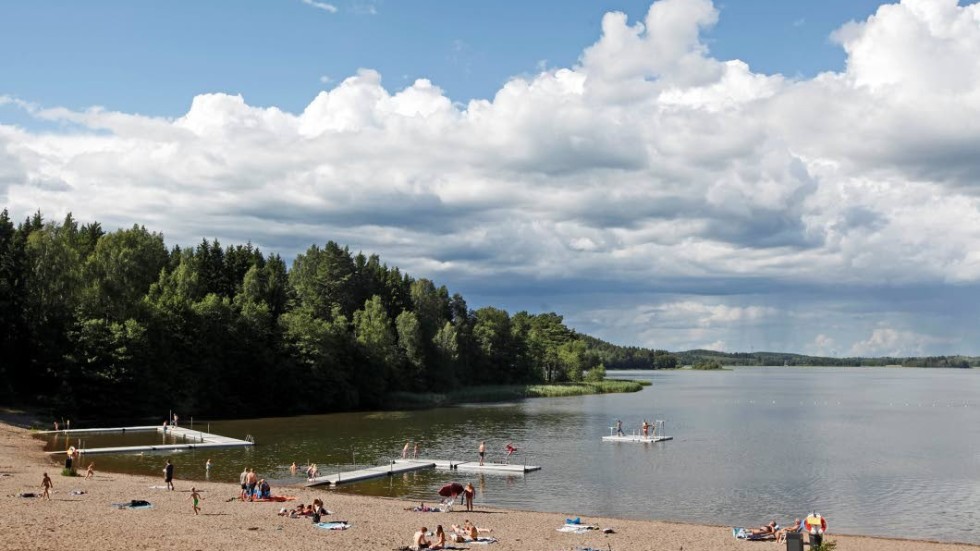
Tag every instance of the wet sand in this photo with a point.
(89, 522)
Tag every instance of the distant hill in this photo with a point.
(691, 357)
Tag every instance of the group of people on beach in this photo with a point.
(253, 487)
(314, 511)
(459, 534)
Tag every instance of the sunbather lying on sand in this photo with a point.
(767, 529)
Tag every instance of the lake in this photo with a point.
(878, 451)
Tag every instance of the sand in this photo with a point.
(89, 522)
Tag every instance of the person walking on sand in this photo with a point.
(195, 497)
(405, 451)
(90, 472)
(47, 485)
(168, 475)
(483, 451)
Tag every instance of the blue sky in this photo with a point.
(153, 57)
(752, 175)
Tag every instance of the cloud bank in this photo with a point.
(653, 194)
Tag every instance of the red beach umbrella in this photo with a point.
(450, 490)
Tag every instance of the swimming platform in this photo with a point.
(398, 466)
(192, 439)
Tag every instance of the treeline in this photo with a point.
(114, 323)
(701, 357)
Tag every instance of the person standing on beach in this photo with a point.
(168, 475)
(483, 451)
(252, 480)
(195, 497)
(468, 493)
(47, 485)
(90, 472)
(243, 480)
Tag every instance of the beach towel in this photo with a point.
(482, 540)
(133, 504)
(275, 498)
(339, 525)
(746, 534)
(577, 528)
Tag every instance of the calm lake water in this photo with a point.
(878, 451)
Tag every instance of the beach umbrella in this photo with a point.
(449, 490)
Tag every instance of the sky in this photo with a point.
(751, 175)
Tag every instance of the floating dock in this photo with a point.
(473, 466)
(192, 439)
(369, 473)
(399, 466)
(658, 428)
(636, 438)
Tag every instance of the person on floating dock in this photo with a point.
(619, 427)
(416, 454)
(168, 475)
(405, 451)
(483, 451)
(645, 428)
(510, 450)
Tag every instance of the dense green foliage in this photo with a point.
(707, 365)
(116, 324)
(695, 357)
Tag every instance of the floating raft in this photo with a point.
(192, 439)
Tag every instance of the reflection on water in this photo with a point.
(891, 452)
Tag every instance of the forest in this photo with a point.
(99, 323)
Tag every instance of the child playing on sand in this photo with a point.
(195, 497)
(47, 485)
(90, 472)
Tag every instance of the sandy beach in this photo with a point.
(88, 520)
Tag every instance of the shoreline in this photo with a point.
(88, 521)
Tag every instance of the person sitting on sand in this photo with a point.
(781, 533)
(440, 538)
(419, 541)
(265, 492)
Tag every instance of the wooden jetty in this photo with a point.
(192, 439)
